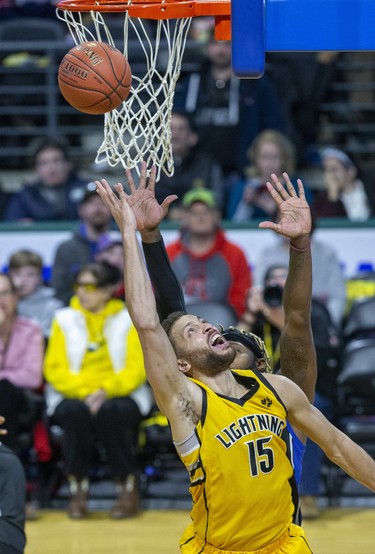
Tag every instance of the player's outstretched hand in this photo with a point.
(147, 210)
(294, 211)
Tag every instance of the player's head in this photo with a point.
(198, 345)
(250, 350)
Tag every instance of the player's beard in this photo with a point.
(212, 363)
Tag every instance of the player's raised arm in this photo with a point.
(297, 351)
(149, 214)
(171, 388)
(337, 446)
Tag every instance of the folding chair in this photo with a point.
(355, 408)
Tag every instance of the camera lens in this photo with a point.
(273, 295)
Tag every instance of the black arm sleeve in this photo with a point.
(168, 292)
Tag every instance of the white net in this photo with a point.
(139, 130)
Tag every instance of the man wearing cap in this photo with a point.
(344, 195)
(92, 234)
(208, 266)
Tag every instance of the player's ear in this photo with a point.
(183, 365)
(261, 364)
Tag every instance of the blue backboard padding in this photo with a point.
(248, 37)
(303, 25)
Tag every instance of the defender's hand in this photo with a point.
(146, 209)
(294, 211)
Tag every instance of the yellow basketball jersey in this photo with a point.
(242, 483)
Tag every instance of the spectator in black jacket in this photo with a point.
(192, 167)
(56, 190)
(228, 112)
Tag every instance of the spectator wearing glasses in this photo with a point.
(113, 253)
(97, 387)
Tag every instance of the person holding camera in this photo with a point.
(264, 314)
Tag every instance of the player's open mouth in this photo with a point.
(217, 340)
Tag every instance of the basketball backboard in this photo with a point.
(297, 25)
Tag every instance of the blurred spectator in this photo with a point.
(21, 366)
(21, 363)
(344, 195)
(270, 152)
(12, 501)
(264, 314)
(328, 278)
(92, 235)
(228, 112)
(35, 300)
(208, 266)
(55, 193)
(112, 253)
(97, 387)
(193, 167)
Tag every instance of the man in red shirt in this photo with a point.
(208, 266)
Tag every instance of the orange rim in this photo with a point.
(170, 9)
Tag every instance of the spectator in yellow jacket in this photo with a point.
(96, 387)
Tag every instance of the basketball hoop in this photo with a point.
(139, 130)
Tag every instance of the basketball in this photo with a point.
(94, 77)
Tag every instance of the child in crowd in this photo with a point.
(35, 300)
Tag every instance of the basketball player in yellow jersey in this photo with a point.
(236, 459)
(227, 427)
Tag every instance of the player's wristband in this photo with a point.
(300, 250)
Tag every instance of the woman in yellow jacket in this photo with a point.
(96, 387)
